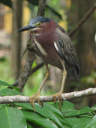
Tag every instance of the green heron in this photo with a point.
(55, 47)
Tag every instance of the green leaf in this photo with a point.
(84, 111)
(25, 106)
(11, 118)
(9, 92)
(3, 83)
(71, 111)
(49, 111)
(39, 120)
(46, 108)
(77, 122)
(92, 123)
(67, 106)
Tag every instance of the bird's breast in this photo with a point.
(51, 56)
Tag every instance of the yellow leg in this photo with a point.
(35, 97)
(64, 75)
(58, 94)
(45, 79)
(63, 80)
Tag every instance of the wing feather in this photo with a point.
(66, 51)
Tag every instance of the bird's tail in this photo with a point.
(73, 72)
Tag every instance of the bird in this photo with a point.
(52, 43)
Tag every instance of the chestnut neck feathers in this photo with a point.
(47, 32)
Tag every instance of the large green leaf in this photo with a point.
(39, 120)
(11, 118)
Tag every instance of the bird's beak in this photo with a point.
(28, 27)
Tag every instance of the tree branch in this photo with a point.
(26, 71)
(65, 96)
(83, 20)
(30, 73)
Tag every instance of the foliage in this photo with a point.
(23, 115)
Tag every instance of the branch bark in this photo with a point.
(65, 96)
(26, 71)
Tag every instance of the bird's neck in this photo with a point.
(48, 32)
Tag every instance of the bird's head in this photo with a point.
(36, 23)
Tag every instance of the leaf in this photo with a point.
(49, 111)
(77, 122)
(92, 123)
(25, 106)
(11, 118)
(3, 83)
(84, 111)
(71, 111)
(9, 92)
(67, 106)
(39, 120)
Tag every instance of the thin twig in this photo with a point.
(36, 68)
(65, 96)
(54, 11)
(83, 20)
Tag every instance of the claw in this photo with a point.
(35, 98)
(59, 97)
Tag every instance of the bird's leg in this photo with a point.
(64, 75)
(36, 96)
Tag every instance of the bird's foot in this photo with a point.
(35, 98)
(58, 96)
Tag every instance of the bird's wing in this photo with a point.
(66, 50)
(65, 47)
